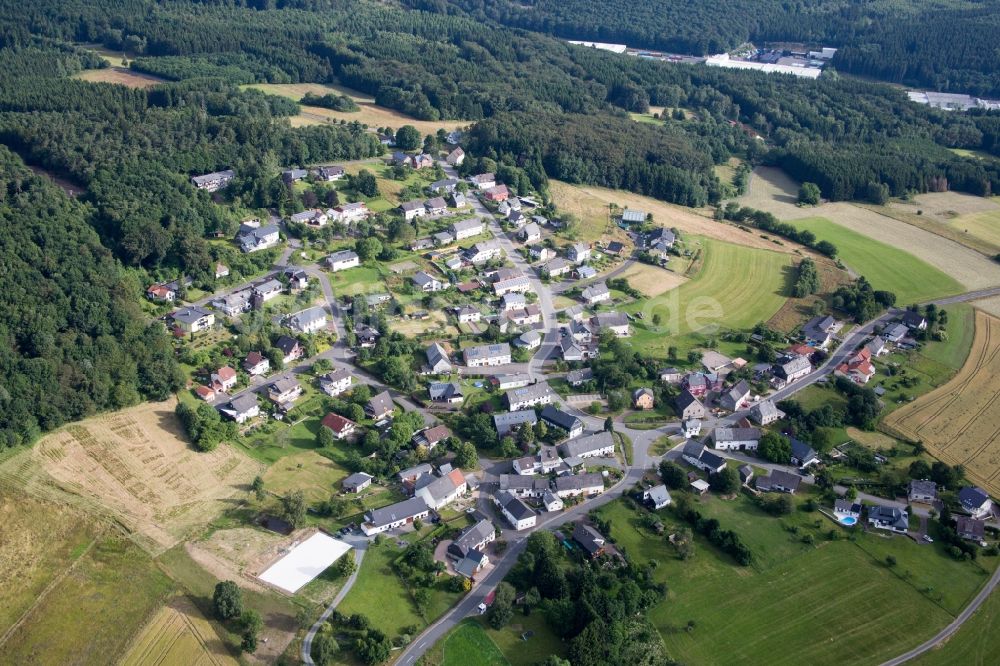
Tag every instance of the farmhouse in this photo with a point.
(922, 491)
(975, 501)
(888, 518)
(689, 407)
(241, 408)
(779, 481)
(735, 398)
(598, 445)
(431, 437)
(394, 515)
(698, 456)
(487, 355)
(529, 396)
(736, 439)
(309, 320)
(596, 293)
(506, 422)
(212, 182)
(656, 497)
(192, 320)
(437, 359)
(380, 406)
(518, 514)
(336, 382)
(356, 482)
(589, 539)
(557, 418)
(340, 427)
(765, 413)
(444, 490)
(575, 485)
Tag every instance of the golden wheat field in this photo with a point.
(958, 422)
(178, 634)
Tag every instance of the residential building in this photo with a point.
(380, 406)
(409, 476)
(444, 238)
(529, 340)
(356, 482)
(888, 518)
(689, 407)
(557, 267)
(314, 217)
(342, 260)
(598, 445)
(412, 209)
(975, 501)
(578, 253)
(656, 497)
(297, 278)
(576, 378)
(736, 439)
(765, 413)
(971, 529)
(445, 186)
(791, 369)
(507, 381)
(444, 490)
(529, 396)
(482, 252)
(309, 320)
(340, 427)
(819, 330)
(336, 382)
(659, 242)
(523, 485)
(436, 206)
(698, 456)
(289, 347)
(234, 303)
(630, 216)
(540, 253)
(284, 391)
(456, 157)
(467, 313)
(192, 320)
(459, 200)
(530, 314)
(877, 347)
(643, 398)
(746, 473)
(616, 322)
(215, 181)
(530, 233)
(330, 174)
(596, 293)
(426, 282)
(497, 193)
(589, 539)
(557, 418)
(431, 437)
(350, 212)
(242, 408)
(293, 175)
(224, 379)
(467, 228)
(914, 321)
(517, 284)
(584, 272)
(366, 335)
(256, 364)
(487, 355)
(265, 291)
(671, 376)
(551, 502)
(735, 398)
(255, 237)
(448, 392)
(437, 359)
(473, 538)
(505, 423)
(395, 515)
(802, 455)
(483, 181)
(576, 485)
(518, 514)
(691, 428)
(845, 508)
(512, 301)
(779, 481)
(922, 490)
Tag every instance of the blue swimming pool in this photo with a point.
(848, 520)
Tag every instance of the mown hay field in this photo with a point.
(120, 75)
(135, 467)
(369, 114)
(651, 280)
(178, 634)
(958, 421)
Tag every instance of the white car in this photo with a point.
(928, 538)
(482, 608)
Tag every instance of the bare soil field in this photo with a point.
(651, 280)
(178, 634)
(369, 114)
(958, 421)
(584, 200)
(121, 75)
(134, 467)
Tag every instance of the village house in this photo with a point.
(567, 423)
(791, 369)
(192, 320)
(688, 406)
(289, 347)
(922, 490)
(487, 355)
(444, 490)
(529, 233)
(412, 209)
(253, 237)
(342, 260)
(659, 242)
(341, 427)
(858, 367)
(242, 408)
(447, 392)
(350, 213)
(819, 330)
(290, 176)
(356, 482)
(540, 253)
(221, 271)
(888, 518)
(551, 502)
(877, 347)
(467, 313)
(455, 157)
(284, 391)
(616, 322)
(691, 428)
(975, 501)
(556, 267)
(577, 485)
(779, 481)
(444, 238)
(298, 279)
(656, 497)
(530, 314)
(529, 396)
(643, 398)
(971, 529)
(265, 291)
(577, 378)
(578, 253)
(518, 514)
(523, 485)
(765, 413)
(422, 161)
(224, 379)
(506, 422)
(632, 216)
(314, 217)
(395, 515)
(802, 454)
(458, 200)
(445, 186)
(483, 181)
(496, 193)
(513, 284)
(914, 321)
(529, 340)
(585, 272)
(380, 406)
(308, 321)
(256, 364)
(426, 282)
(436, 206)
(467, 551)
(512, 301)
(482, 252)
(845, 508)
(431, 437)
(336, 382)
(736, 439)
(736, 398)
(671, 376)
(589, 539)
(596, 293)
(698, 456)
(437, 359)
(409, 476)
(330, 174)
(215, 181)
(598, 445)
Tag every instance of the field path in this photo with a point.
(360, 547)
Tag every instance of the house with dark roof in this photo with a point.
(975, 501)
(212, 182)
(819, 330)
(394, 516)
(449, 392)
(803, 455)
(431, 437)
(914, 321)
(698, 456)
(256, 364)
(523, 485)
(576, 485)
(689, 407)
(471, 544)
(437, 359)
(557, 418)
(577, 378)
(736, 439)
(844, 508)
(356, 482)
(790, 369)
(971, 529)
(242, 408)
(518, 514)
(922, 490)
(529, 396)
(598, 445)
(779, 481)
(888, 518)
(588, 538)
(765, 413)
(380, 406)
(643, 398)
(289, 347)
(505, 422)
(443, 490)
(736, 398)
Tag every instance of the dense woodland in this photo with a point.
(944, 45)
(544, 109)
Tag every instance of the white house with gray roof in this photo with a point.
(529, 396)
(487, 355)
(467, 228)
(598, 445)
(309, 320)
(437, 359)
(505, 422)
(342, 260)
(736, 439)
(596, 293)
(395, 515)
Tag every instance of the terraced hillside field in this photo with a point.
(957, 422)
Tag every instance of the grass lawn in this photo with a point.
(831, 602)
(91, 615)
(977, 643)
(379, 593)
(886, 267)
(467, 645)
(985, 225)
(316, 475)
(361, 280)
(734, 288)
(961, 328)
(519, 652)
